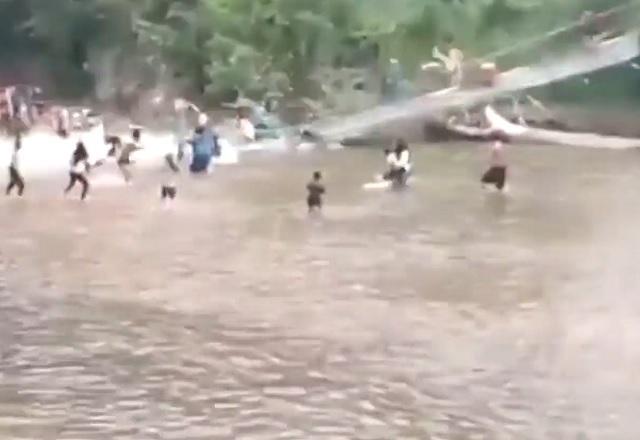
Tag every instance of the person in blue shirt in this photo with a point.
(204, 147)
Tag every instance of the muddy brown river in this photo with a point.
(441, 313)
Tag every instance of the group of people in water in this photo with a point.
(204, 146)
(399, 169)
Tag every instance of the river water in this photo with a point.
(444, 312)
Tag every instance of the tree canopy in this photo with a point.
(256, 46)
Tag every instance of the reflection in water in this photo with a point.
(442, 313)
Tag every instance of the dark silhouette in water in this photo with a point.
(497, 173)
(316, 190)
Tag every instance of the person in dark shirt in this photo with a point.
(316, 190)
(79, 168)
(116, 145)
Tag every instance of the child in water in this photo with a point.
(497, 173)
(15, 177)
(316, 191)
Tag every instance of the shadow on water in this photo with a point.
(443, 312)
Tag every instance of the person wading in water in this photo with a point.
(315, 190)
(496, 175)
(400, 163)
(124, 158)
(15, 176)
(79, 168)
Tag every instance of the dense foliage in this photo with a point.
(210, 46)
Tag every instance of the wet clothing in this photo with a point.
(204, 146)
(496, 175)
(391, 161)
(168, 192)
(400, 164)
(316, 191)
(403, 160)
(398, 178)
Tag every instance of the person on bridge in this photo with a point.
(15, 177)
(453, 61)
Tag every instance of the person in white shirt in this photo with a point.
(79, 168)
(390, 159)
(15, 177)
(400, 164)
(246, 127)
